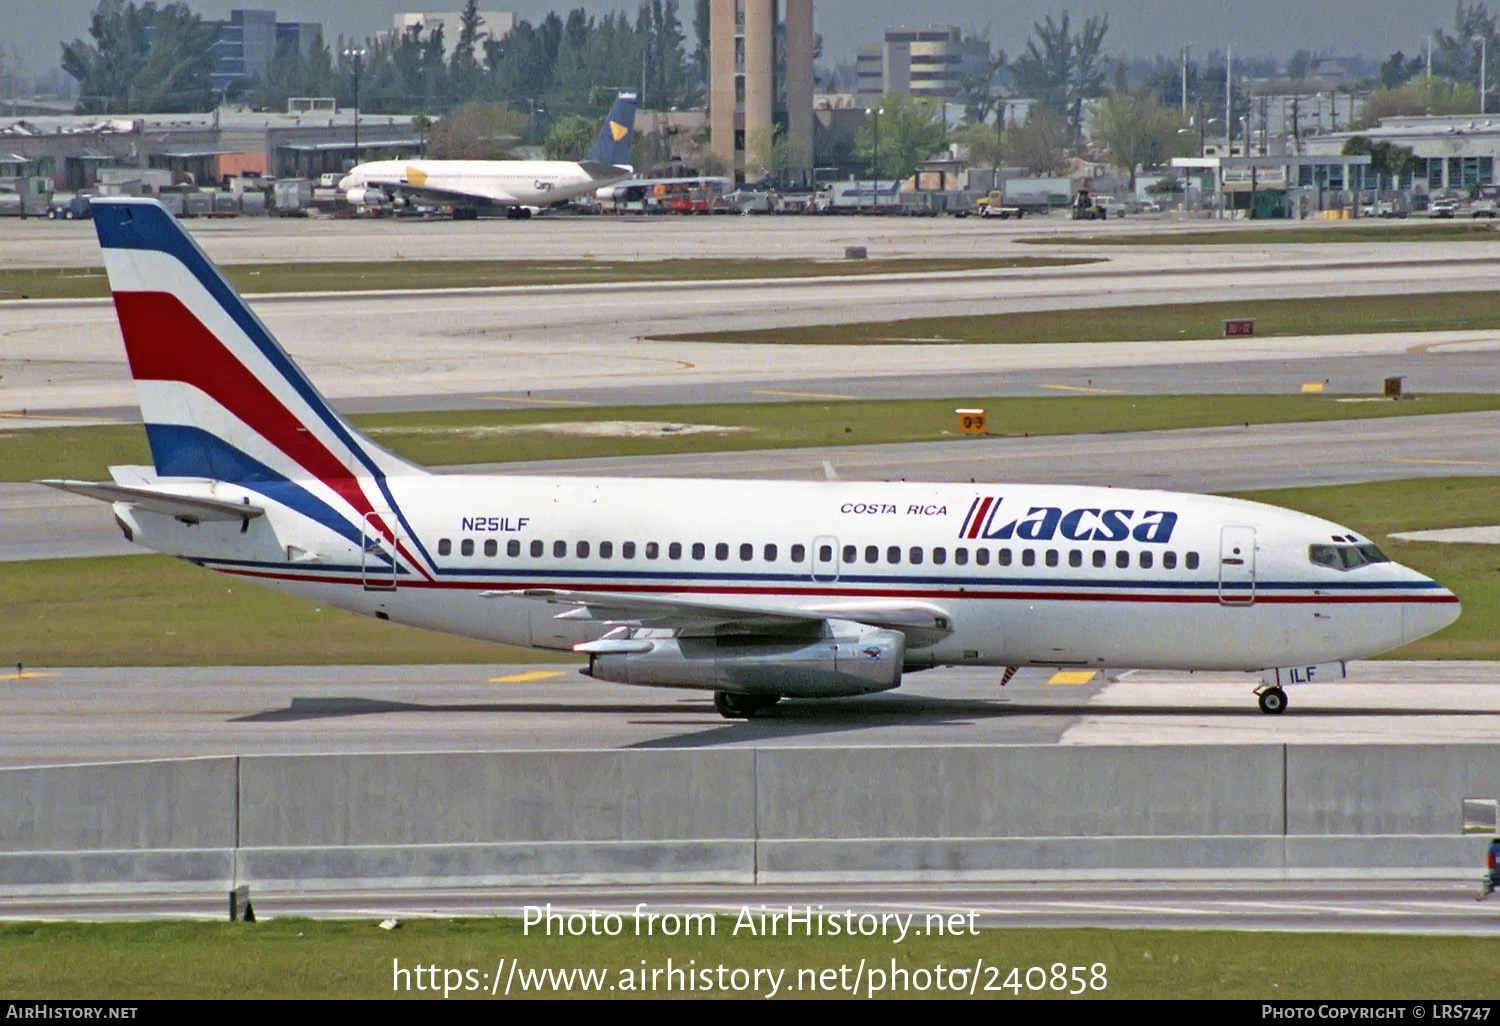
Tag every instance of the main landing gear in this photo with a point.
(734, 706)
(1272, 701)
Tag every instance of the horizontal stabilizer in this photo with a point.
(604, 172)
(181, 506)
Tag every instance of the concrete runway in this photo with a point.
(86, 715)
(66, 357)
(1415, 906)
(42, 243)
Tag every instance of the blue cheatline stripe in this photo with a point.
(182, 451)
(729, 580)
(146, 225)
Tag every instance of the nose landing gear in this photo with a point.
(1272, 701)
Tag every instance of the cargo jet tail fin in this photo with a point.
(617, 134)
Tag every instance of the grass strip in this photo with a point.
(157, 611)
(369, 276)
(152, 610)
(449, 438)
(1382, 230)
(1333, 315)
(301, 958)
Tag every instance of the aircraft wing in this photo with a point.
(183, 507)
(480, 194)
(920, 622)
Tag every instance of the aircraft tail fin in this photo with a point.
(617, 134)
(220, 398)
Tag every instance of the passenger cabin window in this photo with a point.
(559, 549)
(1191, 561)
(939, 556)
(1028, 557)
(699, 550)
(652, 550)
(825, 553)
(1345, 557)
(1075, 557)
(1169, 561)
(582, 549)
(1099, 557)
(893, 554)
(851, 553)
(536, 548)
(799, 553)
(445, 546)
(1122, 560)
(513, 547)
(674, 550)
(747, 552)
(721, 551)
(1051, 557)
(872, 553)
(627, 550)
(1146, 560)
(915, 555)
(770, 553)
(961, 556)
(606, 549)
(466, 547)
(491, 547)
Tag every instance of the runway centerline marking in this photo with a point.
(799, 395)
(522, 678)
(1081, 388)
(1442, 462)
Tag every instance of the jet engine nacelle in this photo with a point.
(842, 663)
(363, 196)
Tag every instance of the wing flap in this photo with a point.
(184, 507)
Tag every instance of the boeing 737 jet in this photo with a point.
(752, 590)
(512, 186)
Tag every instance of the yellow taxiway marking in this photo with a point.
(1448, 463)
(529, 675)
(1436, 348)
(1082, 388)
(1313, 386)
(544, 402)
(799, 395)
(25, 675)
(1071, 677)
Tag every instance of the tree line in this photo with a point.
(144, 57)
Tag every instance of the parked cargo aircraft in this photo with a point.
(512, 186)
(753, 590)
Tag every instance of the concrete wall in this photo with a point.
(957, 812)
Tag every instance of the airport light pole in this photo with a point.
(1482, 41)
(875, 164)
(356, 55)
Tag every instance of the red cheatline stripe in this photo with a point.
(164, 341)
(1211, 598)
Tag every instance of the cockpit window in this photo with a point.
(1345, 557)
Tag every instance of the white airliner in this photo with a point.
(753, 590)
(512, 186)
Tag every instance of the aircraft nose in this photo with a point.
(1438, 609)
(346, 183)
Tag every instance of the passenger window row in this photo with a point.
(851, 555)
